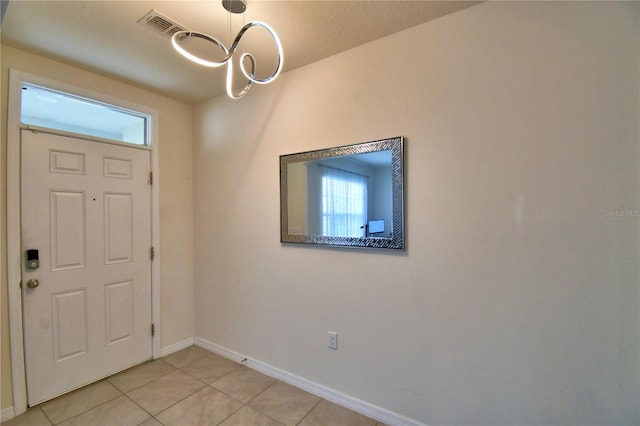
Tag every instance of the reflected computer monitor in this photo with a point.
(376, 226)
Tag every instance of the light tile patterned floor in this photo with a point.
(190, 387)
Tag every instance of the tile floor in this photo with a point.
(190, 387)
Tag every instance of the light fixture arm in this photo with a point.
(182, 36)
(250, 80)
(275, 38)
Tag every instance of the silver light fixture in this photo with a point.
(233, 6)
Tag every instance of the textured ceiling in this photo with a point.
(104, 35)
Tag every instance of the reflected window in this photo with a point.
(344, 203)
(56, 110)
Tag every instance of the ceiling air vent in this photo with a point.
(161, 23)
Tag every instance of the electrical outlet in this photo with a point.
(333, 340)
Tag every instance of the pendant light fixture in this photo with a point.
(232, 6)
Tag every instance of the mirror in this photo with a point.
(350, 196)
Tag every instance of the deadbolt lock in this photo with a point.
(33, 259)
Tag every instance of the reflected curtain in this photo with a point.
(344, 203)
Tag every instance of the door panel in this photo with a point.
(69, 314)
(117, 168)
(67, 219)
(67, 162)
(86, 206)
(119, 311)
(118, 227)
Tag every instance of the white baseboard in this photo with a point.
(168, 350)
(7, 414)
(373, 411)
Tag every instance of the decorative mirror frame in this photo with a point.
(397, 239)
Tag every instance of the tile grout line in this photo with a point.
(253, 408)
(276, 381)
(143, 384)
(45, 416)
(178, 402)
(142, 408)
(190, 362)
(226, 418)
(309, 412)
(210, 385)
(175, 369)
(89, 409)
(245, 405)
(172, 369)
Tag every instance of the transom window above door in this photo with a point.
(51, 109)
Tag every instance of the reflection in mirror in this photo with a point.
(346, 196)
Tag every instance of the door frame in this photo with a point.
(14, 255)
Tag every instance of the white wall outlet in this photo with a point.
(333, 340)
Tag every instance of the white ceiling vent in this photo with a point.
(161, 23)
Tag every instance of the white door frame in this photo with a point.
(14, 254)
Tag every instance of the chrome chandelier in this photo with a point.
(233, 6)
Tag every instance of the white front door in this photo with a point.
(86, 209)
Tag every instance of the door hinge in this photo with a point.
(150, 178)
(153, 253)
(153, 330)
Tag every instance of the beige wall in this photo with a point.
(517, 300)
(176, 194)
